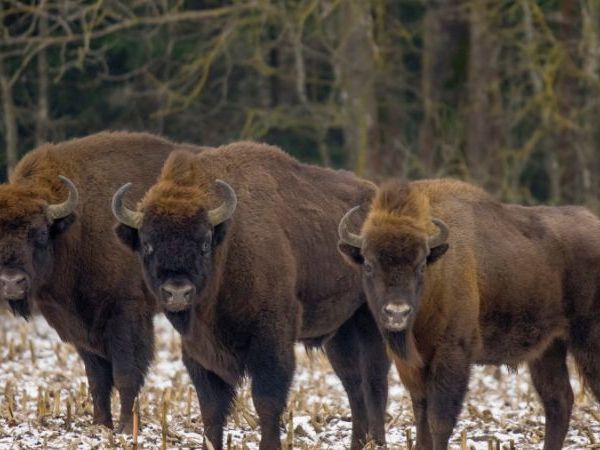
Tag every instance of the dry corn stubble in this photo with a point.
(46, 403)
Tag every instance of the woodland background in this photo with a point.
(504, 93)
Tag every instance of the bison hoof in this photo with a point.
(104, 421)
(125, 427)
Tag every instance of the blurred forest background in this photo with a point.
(504, 93)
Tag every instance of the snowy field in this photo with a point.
(44, 403)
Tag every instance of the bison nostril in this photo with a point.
(13, 279)
(14, 284)
(396, 312)
(166, 294)
(175, 293)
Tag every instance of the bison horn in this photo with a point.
(346, 236)
(67, 207)
(126, 216)
(225, 211)
(442, 236)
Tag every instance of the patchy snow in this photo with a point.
(40, 376)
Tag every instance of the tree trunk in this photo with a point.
(591, 47)
(442, 42)
(484, 124)
(9, 119)
(41, 117)
(573, 167)
(355, 70)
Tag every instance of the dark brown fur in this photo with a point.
(516, 285)
(270, 278)
(85, 286)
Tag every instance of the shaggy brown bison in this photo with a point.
(57, 250)
(244, 280)
(456, 277)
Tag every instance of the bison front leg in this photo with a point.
(99, 375)
(375, 366)
(415, 381)
(343, 353)
(131, 345)
(215, 397)
(271, 366)
(447, 384)
(357, 355)
(551, 380)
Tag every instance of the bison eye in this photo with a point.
(148, 249)
(368, 268)
(205, 246)
(40, 238)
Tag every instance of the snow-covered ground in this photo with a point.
(42, 378)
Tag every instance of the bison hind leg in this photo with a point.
(271, 363)
(585, 347)
(550, 377)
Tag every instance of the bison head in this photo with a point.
(392, 256)
(176, 250)
(28, 228)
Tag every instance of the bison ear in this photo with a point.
(128, 236)
(219, 233)
(351, 254)
(436, 253)
(59, 226)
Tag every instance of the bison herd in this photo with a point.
(247, 251)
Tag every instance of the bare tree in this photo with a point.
(356, 68)
(484, 139)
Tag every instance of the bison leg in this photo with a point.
(99, 375)
(419, 405)
(215, 397)
(414, 380)
(551, 380)
(585, 346)
(375, 366)
(342, 350)
(447, 384)
(131, 345)
(366, 382)
(271, 366)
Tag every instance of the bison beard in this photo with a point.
(403, 345)
(180, 320)
(20, 308)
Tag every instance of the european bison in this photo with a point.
(456, 278)
(244, 280)
(57, 250)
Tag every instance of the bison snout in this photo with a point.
(14, 284)
(177, 297)
(395, 317)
